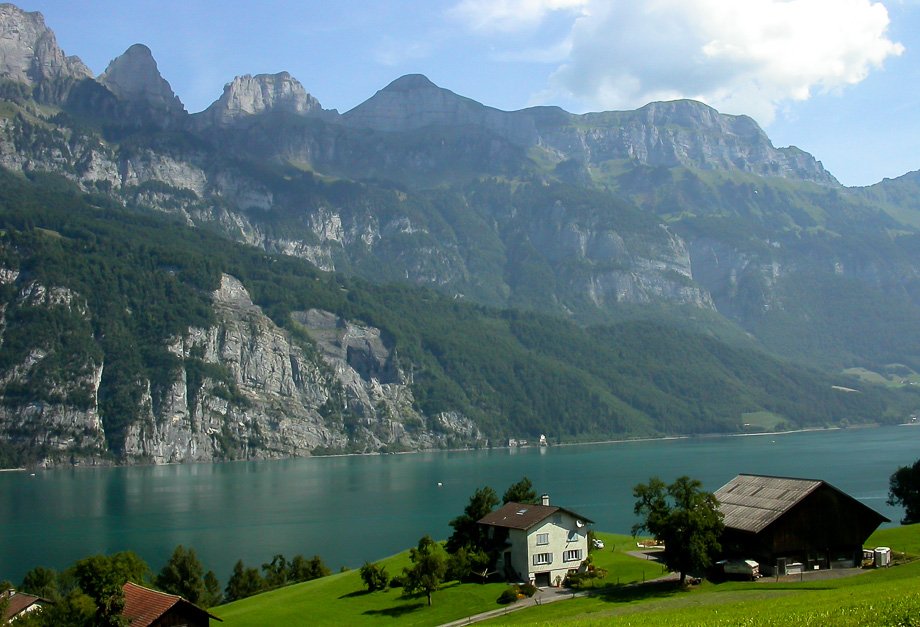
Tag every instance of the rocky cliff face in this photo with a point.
(134, 77)
(52, 407)
(246, 391)
(30, 55)
(248, 96)
(679, 133)
(29, 52)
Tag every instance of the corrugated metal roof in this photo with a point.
(752, 502)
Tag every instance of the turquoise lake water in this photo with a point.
(352, 509)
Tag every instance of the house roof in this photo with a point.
(144, 606)
(753, 502)
(20, 602)
(524, 515)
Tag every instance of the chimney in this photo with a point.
(544, 499)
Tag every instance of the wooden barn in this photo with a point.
(791, 525)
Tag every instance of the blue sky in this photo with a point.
(837, 78)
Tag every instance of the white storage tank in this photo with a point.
(882, 556)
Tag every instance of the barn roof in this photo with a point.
(753, 502)
(523, 515)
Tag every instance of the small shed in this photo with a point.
(149, 608)
(789, 524)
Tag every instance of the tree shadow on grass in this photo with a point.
(396, 612)
(356, 593)
(643, 592)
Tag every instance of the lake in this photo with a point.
(352, 509)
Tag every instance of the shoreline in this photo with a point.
(466, 449)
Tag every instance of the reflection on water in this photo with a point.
(352, 509)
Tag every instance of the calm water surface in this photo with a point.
(352, 509)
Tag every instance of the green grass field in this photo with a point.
(760, 421)
(884, 597)
(343, 599)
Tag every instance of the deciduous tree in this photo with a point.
(904, 491)
(374, 576)
(684, 517)
(428, 568)
(42, 582)
(307, 569)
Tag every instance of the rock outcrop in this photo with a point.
(134, 77)
(29, 54)
(248, 96)
(245, 391)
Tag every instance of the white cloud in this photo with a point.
(510, 15)
(742, 57)
(748, 56)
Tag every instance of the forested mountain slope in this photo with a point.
(131, 338)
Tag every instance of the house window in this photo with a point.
(541, 559)
(542, 538)
(572, 537)
(571, 556)
(557, 519)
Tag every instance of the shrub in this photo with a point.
(509, 595)
(527, 589)
(374, 576)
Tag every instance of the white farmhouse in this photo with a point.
(539, 544)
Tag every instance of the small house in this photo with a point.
(20, 604)
(791, 525)
(149, 608)
(539, 544)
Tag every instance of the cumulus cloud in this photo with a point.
(743, 57)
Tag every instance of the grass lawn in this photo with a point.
(343, 599)
(883, 597)
(760, 421)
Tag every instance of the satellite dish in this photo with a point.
(579, 523)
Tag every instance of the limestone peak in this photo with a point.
(251, 95)
(135, 76)
(29, 52)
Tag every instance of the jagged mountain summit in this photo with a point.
(29, 52)
(677, 133)
(135, 76)
(249, 96)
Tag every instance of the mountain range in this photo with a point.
(673, 215)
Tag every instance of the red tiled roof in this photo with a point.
(144, 606)
(20, 602)
(523, 515)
